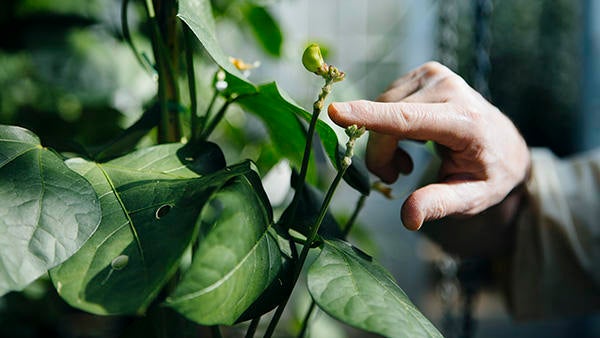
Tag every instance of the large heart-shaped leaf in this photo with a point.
(350, 286)
(47, 211)
(269, 102)
(237, 257)
(150, 201)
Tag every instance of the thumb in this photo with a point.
(439, 200)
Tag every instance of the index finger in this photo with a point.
(438, 122)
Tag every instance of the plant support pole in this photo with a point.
(163, 22)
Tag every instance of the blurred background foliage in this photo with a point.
(67, 74)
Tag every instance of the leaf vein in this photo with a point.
(223, 279)
(125, 212)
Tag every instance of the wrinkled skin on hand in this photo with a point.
(484, 157)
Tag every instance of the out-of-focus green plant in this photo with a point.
(172, 229)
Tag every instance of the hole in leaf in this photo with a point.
(120, 262)
(162, 211)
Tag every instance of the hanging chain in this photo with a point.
(483, 41)
(448, 286)
(473, 273)
(462, 279)
(448, 289)
(448, 33)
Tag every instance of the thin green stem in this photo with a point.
(127, 34)
(317, 107)
(305, 249)
(206, 117)
(150, 9)
(216, 331)
(348, 226)
(346, 230)
(215, 121)
(252, 328)
(162, 97)
(306, 320)
(191, 76)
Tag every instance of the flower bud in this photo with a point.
(346, 162)
(354, 132)
(383, 189)
(312, 58)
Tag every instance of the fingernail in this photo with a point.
(342, 108)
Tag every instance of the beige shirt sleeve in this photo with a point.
(556, 263)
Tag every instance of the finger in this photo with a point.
(385, 159)
(380, 156)
(403, 162)
(435, 92)
(439, 122)
(413, 81)
(400, 90)
(439, 200)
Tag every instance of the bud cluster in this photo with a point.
(354, 133)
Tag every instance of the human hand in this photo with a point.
(483, 155)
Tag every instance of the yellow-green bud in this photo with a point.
(312, 58)
(346, 162)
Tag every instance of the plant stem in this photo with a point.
(359, 205)
(127, 34)
(202, 122)
(191, 76)
(216, 331)
(305, 249)
(317, 107)
(169, 130)
(215, 121)
(306, 320)
(347, 227)
(252, 328)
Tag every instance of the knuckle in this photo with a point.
(433, 68)
(448, 83)
(404, 117)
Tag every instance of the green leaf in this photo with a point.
(264, 27)
(269, 102)
(237, 257)
(280, 118)
(350, 286)
(273, 294)
(47, 210)
(197, 14)
(150, 201)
